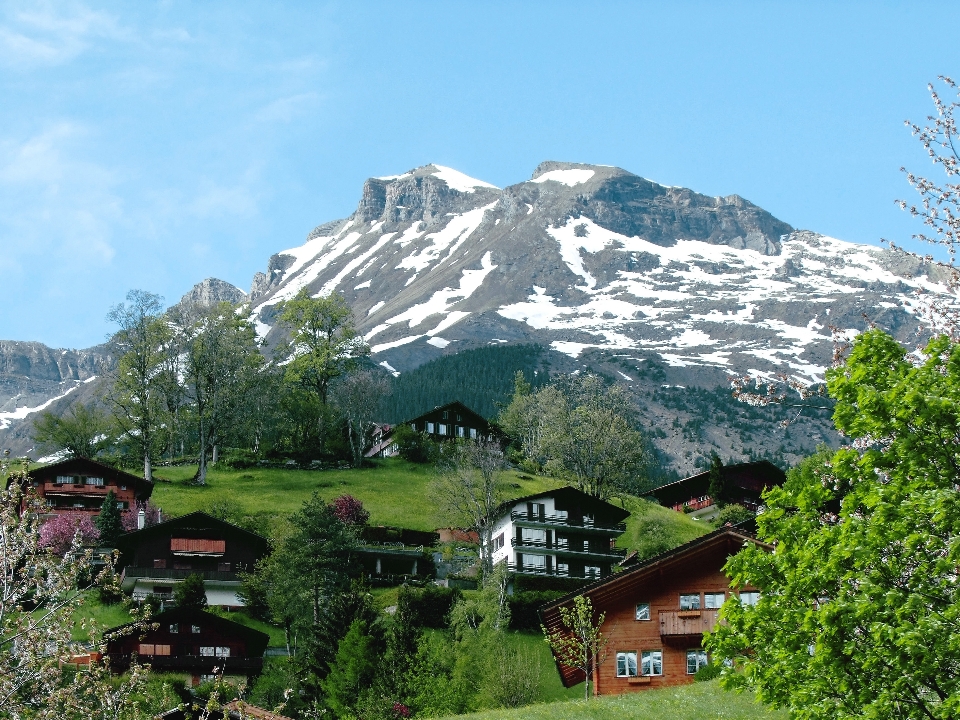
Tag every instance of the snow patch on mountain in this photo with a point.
(566, 177)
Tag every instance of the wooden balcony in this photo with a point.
(686, 623)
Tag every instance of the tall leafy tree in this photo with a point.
(82, 432)
(859, 612)
(324, 342)
(578, 643)
(581, 429)
(140, 344)
(222, 366)
(358, 397)
(469, 490)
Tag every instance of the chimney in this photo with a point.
(141, 519)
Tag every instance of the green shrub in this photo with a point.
(524, 607)
(238, 459)
(429, 607)
(709, 671)
(733, 514)
(414, 446)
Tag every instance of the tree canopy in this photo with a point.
(859, 612)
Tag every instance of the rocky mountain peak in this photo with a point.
(209, 292)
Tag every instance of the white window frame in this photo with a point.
(95, 481)
(498, 542)
(651, 663)
(749, 598)
(627, 663)
(643, 611)
(591, 571)
(441, 428)
(430, 427)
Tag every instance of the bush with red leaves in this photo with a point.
(349, 510)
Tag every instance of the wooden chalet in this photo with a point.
(191, 641)
(155, 558)
(746, 481)
(444, 422)
(656, 614)
(80, 485)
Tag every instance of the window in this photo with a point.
(626, 664)
(712, 601)
(459, 418)
(498, 542)
(442, 429)
(214, 651)
(160, 564)
(460, 430)
(174, 628)
(65, 479)
(161, 649)
(533, 536)
(749, 598)
(563, 568)
(430, 427)
(473, 433)
(446, 414)
(123, 487)
(195, 629)
(145, 649)
(94, 481)
(696, 659)
(535, 562)
(651, 662)
(690, 602)
(591, 571)
(561, 543)
(538, 510)
(643, 611)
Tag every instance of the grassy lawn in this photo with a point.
(393, 491)
(699, 701)
(104, 616)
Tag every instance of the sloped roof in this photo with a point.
(256, 640)
(573, 496)
(753, 477)
(86, 465)
(195, 521)
(455, 405)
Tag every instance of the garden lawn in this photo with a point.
(699, 701)
(394, 491)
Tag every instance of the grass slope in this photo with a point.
(699, 701)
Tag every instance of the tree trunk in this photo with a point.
(215, 454)
(202, 468)
(147, 468)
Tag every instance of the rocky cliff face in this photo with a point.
(592, 257)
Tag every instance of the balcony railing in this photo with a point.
(676, 623)
(551, 572)
(555, 548)
(196, 663)
(564, 521)
(168, 574)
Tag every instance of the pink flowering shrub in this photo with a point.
(349, 510)
(400, 710)
(129, 517)
(57, 532)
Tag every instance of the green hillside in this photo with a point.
(394, 491)
(700, 701)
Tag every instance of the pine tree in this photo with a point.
(109, 522)
(351, 671)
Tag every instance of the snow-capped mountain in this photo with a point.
(586, 256)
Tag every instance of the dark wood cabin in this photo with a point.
(189, 640)
(79, 485)
(746, 481)
(453, 420)
(656, 614)
(155, 558)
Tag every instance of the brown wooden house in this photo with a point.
(79, 485)
(444, 422)
(656, 614)
(154, 559)
(746, 483)
(189, 640)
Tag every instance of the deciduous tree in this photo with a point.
(140, 344)
(859, 612)
(579, 644)
(83, 431)
(468, 490)
(358, 397)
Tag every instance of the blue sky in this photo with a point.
(150, 145)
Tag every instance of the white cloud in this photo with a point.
(45, 34)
